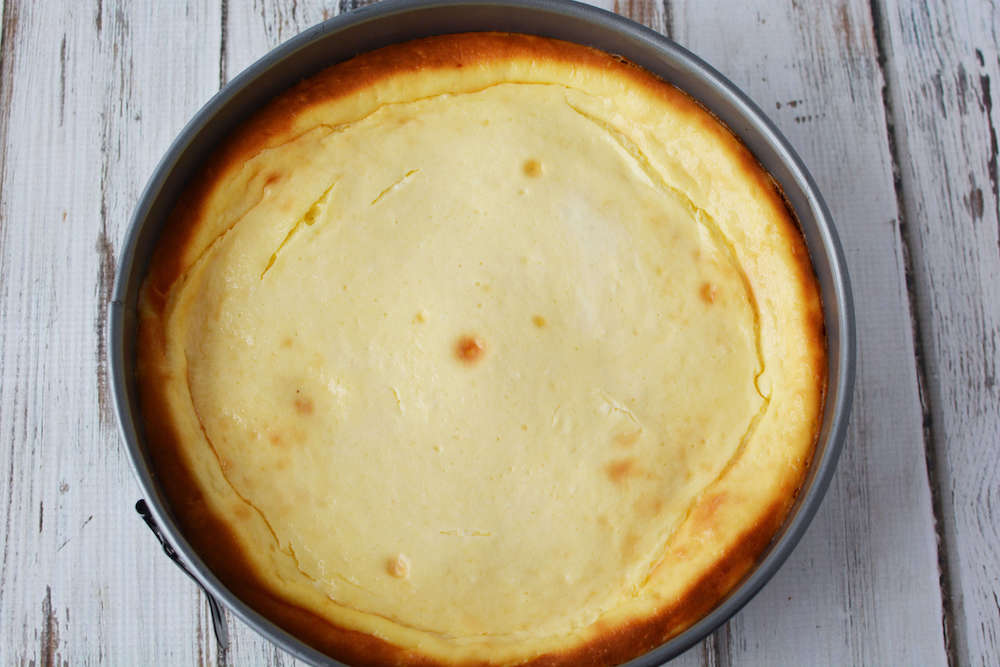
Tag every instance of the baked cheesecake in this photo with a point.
(481, 349)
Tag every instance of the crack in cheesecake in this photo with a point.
(308, 219)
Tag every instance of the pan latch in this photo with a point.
(218, 619)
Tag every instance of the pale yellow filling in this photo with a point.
(530, 487)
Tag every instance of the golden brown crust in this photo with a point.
(211, 535)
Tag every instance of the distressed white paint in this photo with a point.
(90, 96)
(608, 5)
(943, 69)
(91, 99)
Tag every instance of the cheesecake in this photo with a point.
(481, 349)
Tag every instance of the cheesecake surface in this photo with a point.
(481, 349)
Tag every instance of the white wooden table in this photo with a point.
(894, 107)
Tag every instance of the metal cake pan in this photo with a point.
(399, 20)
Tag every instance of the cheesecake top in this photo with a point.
(481, 349)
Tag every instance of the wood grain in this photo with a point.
(941, 62)
(89, 104)
(254, 28)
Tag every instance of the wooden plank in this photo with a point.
(150, 93)
(90, 101)
(253, 29)
(943, 67)
(3, 24)
(862, 586)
